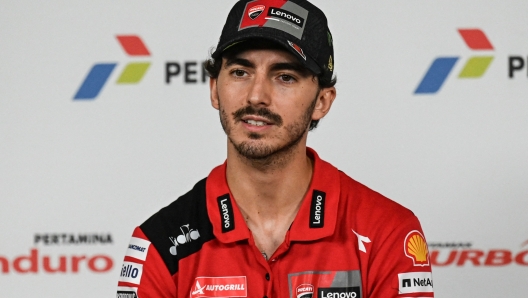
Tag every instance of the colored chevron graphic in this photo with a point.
(441, 67)
(99, 74)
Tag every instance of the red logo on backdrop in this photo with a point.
(463, 254)
(227, 286)
(304, 291)
(255, 11)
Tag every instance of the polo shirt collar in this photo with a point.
(316, 218)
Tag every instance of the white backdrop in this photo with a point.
(458, 157)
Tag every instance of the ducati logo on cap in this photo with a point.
(255, 11)
(297, 49)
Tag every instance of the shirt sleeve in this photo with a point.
(400, 265)
(144, 274)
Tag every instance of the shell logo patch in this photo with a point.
(416, 249)
(330, 64)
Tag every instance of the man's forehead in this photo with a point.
(258, 50)
(258, 54)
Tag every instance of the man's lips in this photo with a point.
(256, 120)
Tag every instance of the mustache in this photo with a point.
(262, 112)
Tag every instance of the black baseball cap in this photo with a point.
(297, 25)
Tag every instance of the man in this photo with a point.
(275, 220)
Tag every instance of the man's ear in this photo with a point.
(214, 93)
(324, 102)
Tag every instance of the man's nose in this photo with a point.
(260, 90)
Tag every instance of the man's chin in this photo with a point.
(254, 150)
(255, 136)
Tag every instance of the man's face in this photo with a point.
(266, 101)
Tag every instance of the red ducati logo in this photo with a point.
(255, 11)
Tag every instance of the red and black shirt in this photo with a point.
(346, 241)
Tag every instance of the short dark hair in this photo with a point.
(213, 66)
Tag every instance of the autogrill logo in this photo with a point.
(100, 72)
(441, 67)
(226, 286)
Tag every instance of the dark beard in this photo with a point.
(262, 154)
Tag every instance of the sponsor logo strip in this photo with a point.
(415, 282)
(138, 248)
(126, 292)
(131, 272)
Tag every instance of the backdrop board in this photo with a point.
(105, 118)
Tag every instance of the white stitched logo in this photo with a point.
(187, 235)
(362, 239)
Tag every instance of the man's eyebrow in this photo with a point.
(298, 67)
(238, 61)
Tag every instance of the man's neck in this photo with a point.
(271, 185)
(269, 197)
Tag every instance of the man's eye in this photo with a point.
(287, 78)
(239, 73)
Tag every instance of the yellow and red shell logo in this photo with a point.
(416, 249)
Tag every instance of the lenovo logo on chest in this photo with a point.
(348, 292)
(317, 209)
(226, 213)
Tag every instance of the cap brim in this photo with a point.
(262, 33)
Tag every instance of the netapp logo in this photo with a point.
(317, 209)
(285, 15)
(348, 292)
(226, 209)
(415, 282)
